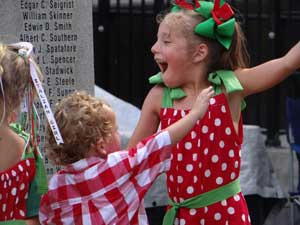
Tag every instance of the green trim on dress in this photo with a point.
(39, 184)
(202, 200)
(217, 78)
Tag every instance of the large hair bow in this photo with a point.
(186, 4)
(219, 23)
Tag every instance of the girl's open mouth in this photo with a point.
(163, 66)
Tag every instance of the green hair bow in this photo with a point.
(219, 23)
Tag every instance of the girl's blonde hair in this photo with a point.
(15, 76)
(218, 57)
(82, 121)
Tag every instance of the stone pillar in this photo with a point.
(62, 33)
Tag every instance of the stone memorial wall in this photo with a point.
(62, 34)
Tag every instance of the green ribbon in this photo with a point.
(230, 81)
(227, 77)
(205, 9)
(223, 32)
(174, 93)
(202, 200)
(40, 178)
(13, 222)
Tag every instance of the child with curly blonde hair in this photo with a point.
(101, 184)
(22, 173)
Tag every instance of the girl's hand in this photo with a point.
(179, 129)
(201, 104)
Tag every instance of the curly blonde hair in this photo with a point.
(82, 120)
(15, 75)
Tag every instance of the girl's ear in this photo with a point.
(100, 148)
(201, 52)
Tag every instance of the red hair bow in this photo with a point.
(191, 5)
(221, 13)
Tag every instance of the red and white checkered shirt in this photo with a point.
(107, 191)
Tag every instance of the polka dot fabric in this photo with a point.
(207, 158)
(14, 185)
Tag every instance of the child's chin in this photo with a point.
(167, 81)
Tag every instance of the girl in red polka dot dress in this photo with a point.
(22, 175)
(199, 43)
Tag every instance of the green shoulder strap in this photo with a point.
(227, 77)
(39, 185)
(18, 130)
(230, 81)
(40, 175)
(170, 94)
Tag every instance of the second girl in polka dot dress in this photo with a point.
(22, 174)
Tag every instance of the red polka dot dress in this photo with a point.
(207, 158)
(14, 187)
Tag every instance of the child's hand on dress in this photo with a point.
(202, 101)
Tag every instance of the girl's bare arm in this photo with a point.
(149, 119)
(268, 74)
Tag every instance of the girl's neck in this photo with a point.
(11, 147)
(195, 88)
(197, 80)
